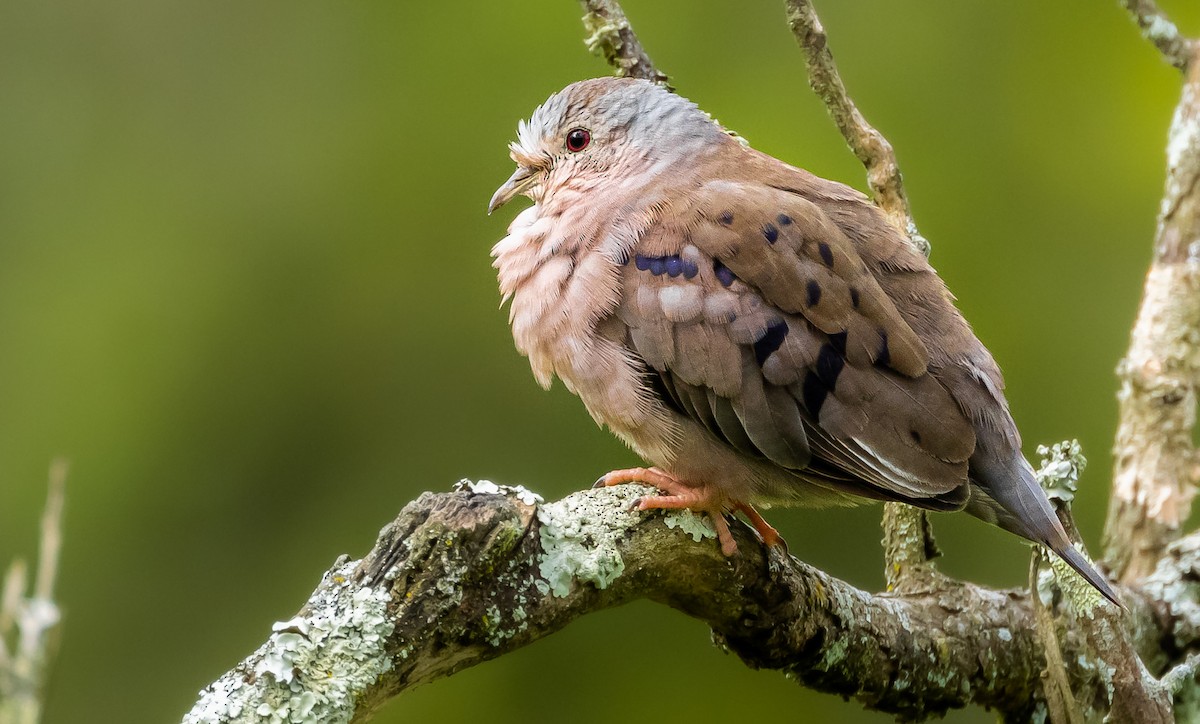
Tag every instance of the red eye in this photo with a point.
(578, 139)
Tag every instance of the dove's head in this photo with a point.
(596, 132)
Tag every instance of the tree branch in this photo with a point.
(867, 143)
(611, 36)
(1157, 468)
(461, 578)
(1159, 30)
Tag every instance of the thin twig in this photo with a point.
(1159, 30)
(867, 143)
(11, 596)
(1060, 700)
(35, 619)
(51, 542)
(1182, 674)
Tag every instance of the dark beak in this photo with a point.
(520, 182)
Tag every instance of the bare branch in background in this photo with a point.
(29, 625)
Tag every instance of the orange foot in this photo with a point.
(701, 498)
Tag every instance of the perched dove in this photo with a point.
(758, 334)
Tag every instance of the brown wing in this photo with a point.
(765, 326)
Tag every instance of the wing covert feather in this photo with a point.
(770, 331)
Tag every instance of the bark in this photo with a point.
(1156, 462)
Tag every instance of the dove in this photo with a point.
(759, 335)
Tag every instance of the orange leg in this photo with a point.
(702, 499)
(765, 530)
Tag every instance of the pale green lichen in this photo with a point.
(314, 667)
(1084, 597)
(1161, 30)
(579, 536)
(1103, 671)
(834, 654)
(1061, 466)
(487, 487)
(499, 625)
(604, 36)
(698, 527)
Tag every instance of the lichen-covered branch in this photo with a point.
(1159, 30)
(1157, 468)
(464, 577)
(1133, 692)
(29, 621)
(611, 36)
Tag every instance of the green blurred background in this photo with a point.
(245, 288)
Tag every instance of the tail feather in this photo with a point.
(1007, 494)
(1079, 562)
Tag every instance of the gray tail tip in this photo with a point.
(1084, 568)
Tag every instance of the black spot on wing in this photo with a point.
(826, 254)
(770, 233)
(770, 341)
(854, 297)
(814, 393)
(885, 355)
(724, 274)
(784, 220)
(673, 265)
(838, 341)
(690, 269)
(829, 365)
(812, 292)
(726, 218)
